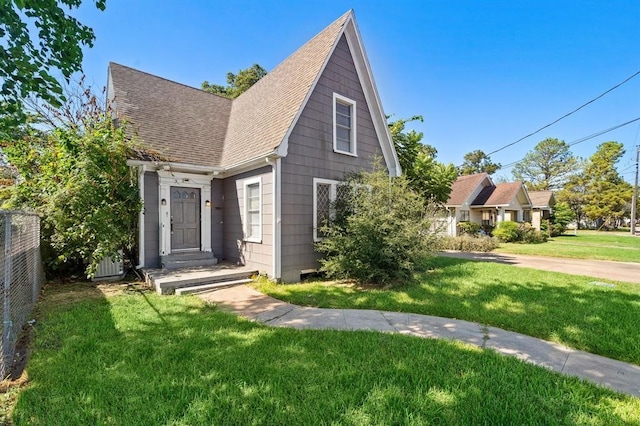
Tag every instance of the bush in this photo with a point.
(469, 228)
(467, 243)
(507, 232)
(379, 232)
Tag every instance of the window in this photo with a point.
(344, 125)
(324, 193)
(464, 216)
(487, 217)
(253, 210)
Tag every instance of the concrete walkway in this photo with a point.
(256, 306)
(603, 269)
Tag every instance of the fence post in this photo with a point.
(7, 326)
(36, 259)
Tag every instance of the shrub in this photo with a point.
(379, 232)
(467, 243)
(469, 228)
(507, 232)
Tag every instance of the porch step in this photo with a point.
(188, 260)
(207, 287)
(168, 281)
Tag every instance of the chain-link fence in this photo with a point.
(21, 273)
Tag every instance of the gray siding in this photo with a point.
(311, 156)
(151, 221)
(255, 255)
(217, 219)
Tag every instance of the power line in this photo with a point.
(586, 138)
(567, 114)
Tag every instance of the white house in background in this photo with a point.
(475, 198)
(542, 203)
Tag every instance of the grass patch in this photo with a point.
(552, 306)
(586, 245)
(148, 359)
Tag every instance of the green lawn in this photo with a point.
(142, 359)
(557, 307)
(585, 245)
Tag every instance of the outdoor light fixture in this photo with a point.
(207, 203)
(163, 202)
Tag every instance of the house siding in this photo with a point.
(255, 255)
(217, 218)
(151, 221)
(310, 155)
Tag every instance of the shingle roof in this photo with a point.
(497, 195)
(196, 127)
(462, 188)
(541, 199)
(185, 124)
(261, 116)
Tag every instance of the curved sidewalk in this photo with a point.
(603, 269)
(256, 306)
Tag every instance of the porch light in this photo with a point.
(163, 202)
(207, 203)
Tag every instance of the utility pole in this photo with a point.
(634, 200)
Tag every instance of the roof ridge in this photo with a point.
(167, 80)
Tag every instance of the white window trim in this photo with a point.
(332, 197)
(344, 100)
(247, 226)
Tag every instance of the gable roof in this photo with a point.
(185, 124)
(230, 133)
(542, 199)
(498, 195)
(262, 115)
(464, 186)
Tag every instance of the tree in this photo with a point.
(548, 166)
(573, 194)
(28, 60)
(430, 178)
(237, 84)
(76, 176)
(380, 231)
(478, 162)
(607, 193)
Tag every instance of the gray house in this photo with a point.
(246, 180)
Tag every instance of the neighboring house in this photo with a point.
(542, 203)
(475, 198)
(246, 180)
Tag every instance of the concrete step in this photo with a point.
(188, 260)
(208, 287)
(168, 281)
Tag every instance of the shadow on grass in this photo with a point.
(147, 359)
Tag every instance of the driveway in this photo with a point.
(603, 269)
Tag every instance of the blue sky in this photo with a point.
(482, 73)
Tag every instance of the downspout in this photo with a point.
(141, 171)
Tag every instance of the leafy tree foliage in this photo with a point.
(548, 166)
(478, 162)
(29, 58)
(573, 194)
(380, 231)
(607, 192)
(430, 178)
(561, 217)
(77, 178)
(237, 84)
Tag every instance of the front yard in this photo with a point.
(617, 246)
(129, 357)
(573, 310)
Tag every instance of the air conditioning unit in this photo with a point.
(109, 270)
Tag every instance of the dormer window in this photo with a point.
(344, 125)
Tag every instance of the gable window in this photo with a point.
(253, 210)
(324, 193)
(344, 125)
